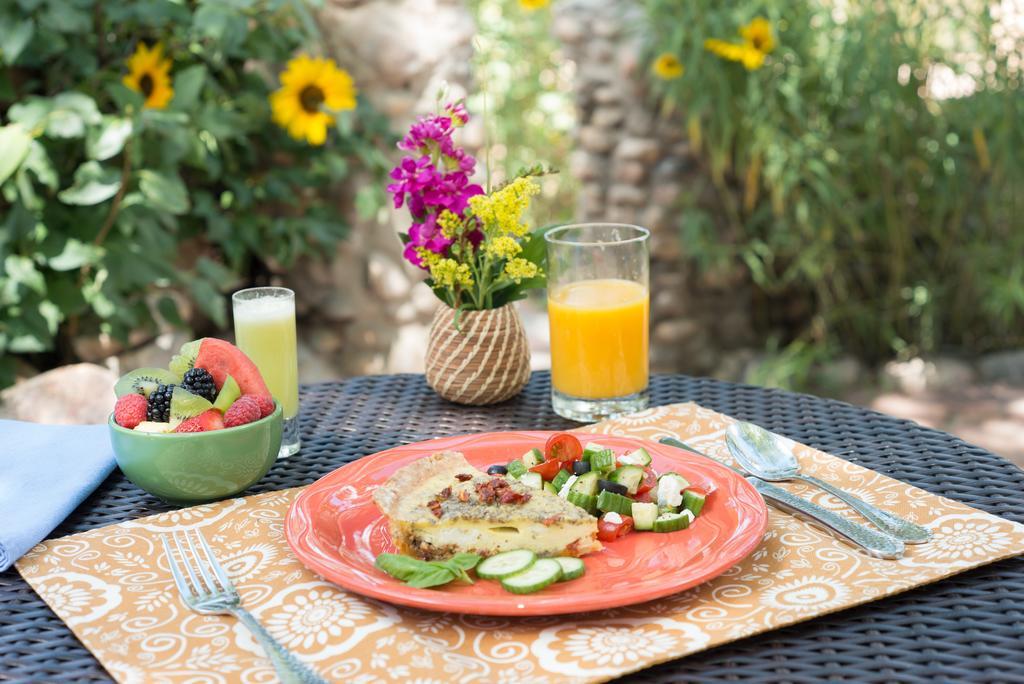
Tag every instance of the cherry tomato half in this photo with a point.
(547, 469)
(609, 531)
(563, 447)
(649, 482)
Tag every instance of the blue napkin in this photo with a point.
(45, 472)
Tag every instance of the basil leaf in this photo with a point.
(466, 561)
(399, 566)
(432, 577)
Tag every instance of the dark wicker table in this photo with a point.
(967, 628)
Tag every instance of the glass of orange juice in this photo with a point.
(598, 304)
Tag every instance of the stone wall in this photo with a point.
(365, 311)
(634, 165)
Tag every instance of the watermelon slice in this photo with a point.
(222, 359)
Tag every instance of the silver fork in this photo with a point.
(209, 591)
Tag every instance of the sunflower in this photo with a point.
(667, 67)
(758, 41)
(149, 74)
(531, 5)
(758, 35)
(311, 90)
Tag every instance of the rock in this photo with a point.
(607, 117)
(629, 195)
(314, 366)
(917, 376)
(606, 27)
(673, 332)
(595, 139)
(666, 194)
(630, 172)
(387, 278)
(1005, 366)
(950, 373)
(408, 350)
(568, 29)
(586, 166)
(640, 149)
(607, 95)
(79, 394)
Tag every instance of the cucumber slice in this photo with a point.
(550, 488)
(693, 502)
(593, 448)
(587, 502)
(629, 475)
(532, 480)
(560, 479)
(505, 564)
(640, 457)
(586, 484)
(603, 461)
(517, 468)
(672, 522)
(571, 567)
(532, 457)
(542, 573)
(616, 503)
(644, 515)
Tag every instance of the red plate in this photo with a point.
(336, 531)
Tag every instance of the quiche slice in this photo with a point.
(441, 505)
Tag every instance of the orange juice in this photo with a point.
(599, 338)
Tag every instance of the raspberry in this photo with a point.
(245, 410)
(130, 410)
(266, 403)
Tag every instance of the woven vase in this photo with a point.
(484, 361)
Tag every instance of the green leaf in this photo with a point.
(168, 310)
(210, 301)
(14, 37)
(399, 566)
(215, 272)
(14, 146)
(31, 113)
(93, 184)
(221, 23)
(188, 84)
(109, 139)
(21, 270)
(70, 115)
(75, 255)
(38, 162)
(435, 576)
(164, 191)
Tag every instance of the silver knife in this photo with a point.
(875, 543)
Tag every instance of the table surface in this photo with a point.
(969, 627)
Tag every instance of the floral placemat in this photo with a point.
(113, 588)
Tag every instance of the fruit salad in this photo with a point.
(210, 384)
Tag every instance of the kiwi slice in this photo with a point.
(143, 381)
(185, 405)
(185, 359)
(229, 391)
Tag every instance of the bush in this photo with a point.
(837, 170)
(111, 201)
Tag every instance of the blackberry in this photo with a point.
(199, 381)
(158, 408)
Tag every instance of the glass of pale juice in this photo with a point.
(598, 309)
(265, 331)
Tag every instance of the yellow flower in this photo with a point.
(449, 273)
(311, 89)
(758, 35)
(667, 67)
(520, 269)
(502, 210)
(758, 41)
(503, 247)
(451, 224)
(149, 74)
(531, 5)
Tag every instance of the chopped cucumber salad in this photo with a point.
(622, 490)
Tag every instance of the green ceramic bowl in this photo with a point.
(195, 467)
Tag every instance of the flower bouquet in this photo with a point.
(480, 257)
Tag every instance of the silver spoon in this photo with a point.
(760, 453)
